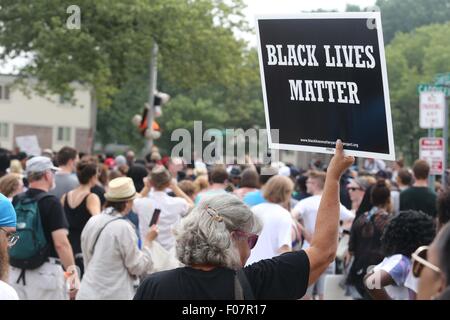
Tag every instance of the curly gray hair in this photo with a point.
(204, 236)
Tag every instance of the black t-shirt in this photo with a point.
(283, 277)
(52, 217)
(419, 198)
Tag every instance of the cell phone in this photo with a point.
(155, 217)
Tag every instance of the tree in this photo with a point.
(406, 15)
(238, 104)
(201, 63)
(113, 44)
(414, 58)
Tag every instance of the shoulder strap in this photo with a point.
(100, 232)
(23, 196)
(242, 288)
(41, 196)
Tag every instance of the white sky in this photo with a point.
(294, 6)
(253, 7)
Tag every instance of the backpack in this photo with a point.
(32, 248)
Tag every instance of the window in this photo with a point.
(63, 134)
(4, 92)
(64, 98)
(4, 130)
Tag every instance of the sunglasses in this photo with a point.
(419, 261)
(11, 236)
(252, 238)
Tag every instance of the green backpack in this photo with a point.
(31, 250)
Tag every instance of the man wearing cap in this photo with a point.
(7, 239)
(47, 281)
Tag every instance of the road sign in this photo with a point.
(432, 151)
(432, 109)
(442, 79)
(429, 87)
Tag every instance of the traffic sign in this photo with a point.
(432, 151)
(432, 109)
(442, 79)
(429, 87)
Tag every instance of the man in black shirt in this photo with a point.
(47, 282)
(419, 197)
(215, 240)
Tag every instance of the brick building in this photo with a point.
(53, 119)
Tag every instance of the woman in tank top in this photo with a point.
(79, 205)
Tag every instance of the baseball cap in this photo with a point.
(284, 171)
(40, 164)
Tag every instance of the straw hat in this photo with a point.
(120, 189)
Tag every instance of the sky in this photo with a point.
(293, 6)
(253, 7)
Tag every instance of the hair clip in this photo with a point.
(213, 213)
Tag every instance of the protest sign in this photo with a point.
(29, 144)
(324, 78)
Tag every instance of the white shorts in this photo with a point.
(44, 283)
(318, 287)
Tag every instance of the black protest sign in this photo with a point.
(324, 78)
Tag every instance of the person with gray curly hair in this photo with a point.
(214, 242)
(204, 237)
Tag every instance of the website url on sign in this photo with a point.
(331, 143)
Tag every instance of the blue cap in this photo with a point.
(7, 213)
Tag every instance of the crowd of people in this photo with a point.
(77, 226)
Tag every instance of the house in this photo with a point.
(53, 119)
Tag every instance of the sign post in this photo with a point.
(445, 133)
(432, 110)
(432, 151)
(434, 114)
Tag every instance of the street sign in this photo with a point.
(429, 87)
(432, 109)
(432, 151)
(442, 79)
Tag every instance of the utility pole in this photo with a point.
(445, 134)
(441, 83)
(151, 94)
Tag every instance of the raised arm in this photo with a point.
(179, 193)
(325, 240)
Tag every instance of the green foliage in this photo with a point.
(113, 45)
(406, 15)
(414, 58)
(210, 75)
